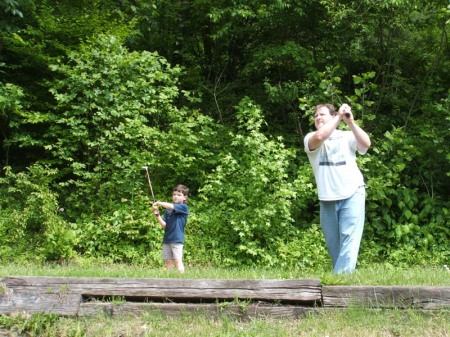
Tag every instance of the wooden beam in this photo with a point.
(277, 298)
(418, 297)
(272, 290)
(68, 295)
(251, 310)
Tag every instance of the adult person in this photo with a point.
(340, 183)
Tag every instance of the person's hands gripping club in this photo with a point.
(346, 111)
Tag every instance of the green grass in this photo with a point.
(332, 323)
(377, 275)
(350, 322)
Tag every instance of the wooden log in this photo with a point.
(66, 305)
(138, 309)
(298, 291)
(77, 296)
(418, 297)
(252, 310)
(283, 298)
(279, 311)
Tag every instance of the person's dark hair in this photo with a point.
(330, 108)
(182, 189)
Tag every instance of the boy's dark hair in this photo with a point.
(182, 189)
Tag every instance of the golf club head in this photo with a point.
(144, 168)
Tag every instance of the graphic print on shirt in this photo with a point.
(331, 156)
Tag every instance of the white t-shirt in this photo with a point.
(334, 165)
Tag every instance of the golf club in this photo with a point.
(331, 88)
(149, 182)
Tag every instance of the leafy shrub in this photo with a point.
(245, 203)
(404, 223)
(31, 220)
(306, 251)
(123, 233)
(116, 112)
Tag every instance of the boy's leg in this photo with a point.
(180, 265)
(167, 255)
(169, 264)
(177, 252)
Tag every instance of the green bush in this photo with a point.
(404, 223)
(116, 112)
(245, 204)
(31, 221)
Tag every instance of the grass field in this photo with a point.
(377, 275)
(356, 321)
(344, 323)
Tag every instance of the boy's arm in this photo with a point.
(166, 205)
(160, 220)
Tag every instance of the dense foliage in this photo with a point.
(218, 95)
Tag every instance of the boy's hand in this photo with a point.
(155, 209)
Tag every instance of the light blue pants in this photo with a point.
(342, 224)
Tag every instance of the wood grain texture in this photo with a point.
(419, 297)
(73, 296)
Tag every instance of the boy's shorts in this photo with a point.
(172, 251)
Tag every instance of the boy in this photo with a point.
(173, 222)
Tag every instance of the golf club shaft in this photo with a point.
(150, 184)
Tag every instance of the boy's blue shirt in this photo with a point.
(176, 220)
